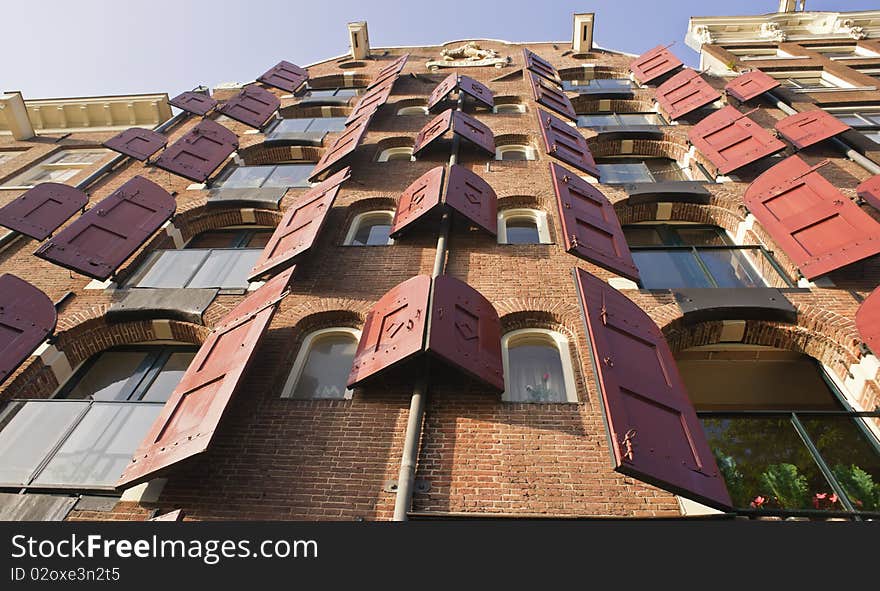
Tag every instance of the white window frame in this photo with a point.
(303, 355)
(529, 151)
(837, 84)
(386, 154)
(413, 110)
(539, 217)
(509, 108)
(560, 341)
(356, 225)
(24, 179)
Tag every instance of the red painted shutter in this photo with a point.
(810, 127)
(100, 240)
(552, 98)
(442, 90)
(685, 92)
(394, 330)
(300, 226)
(654, 432)
(465, 331)
(434, 129)
(252, 106)
(750, 85)
(462, 124)
(418, 200)
(193, 102)
(285, 76)
(818, 228)
(589, 224)
(540, 66)
(868, 191)
(465, 84)
(27, 318)
(653, 64)
(189, 420)
(198, 153)
(345, 144)
(564, 142)
(867, 321)
(137, 143)
(730, 140)
(41, 210)
(471, 196)
(370, 102)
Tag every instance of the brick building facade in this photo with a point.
(728, 293)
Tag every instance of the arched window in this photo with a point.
(322, 366)
(523, 226)
(515, 152)
(370, 229)
(414, 110)
(398, 153)
(509, 108)
(537, 367)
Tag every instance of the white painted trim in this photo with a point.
(385, 154)
(529, 152)
(561, 344)
(303, 355)
(538, 216)
(412, 110)
(358, 220)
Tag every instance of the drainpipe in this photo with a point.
(410, 457)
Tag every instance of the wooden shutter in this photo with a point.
(750, 85)
(137, 143)
(471, 196)
(465, 84)
(868, 191)
(867, 321)
(565, 142)
(196, 103)
(285, 76)
(252, 106)
(653, 64)
(540, 66)
(370, 102)
(419, 199)
(390, 72)
(345, 144)
(27, 318)
(41, 210)
(198, 153)
(461, 124)
(810, 127)
(552, 98)
(730, 140)
(684, 93)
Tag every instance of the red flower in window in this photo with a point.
(758, 502)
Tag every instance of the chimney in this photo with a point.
(582, 37)
(360, 40)
(792, 5)
(17, 118)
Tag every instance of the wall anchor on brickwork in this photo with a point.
(421, 486)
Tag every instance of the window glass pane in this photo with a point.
(76, 157)
(45, 175)
(536, 374)
(326, 370)
(106, 378)
(344, 92)
(372, 231)
(873, 136)
(851, 119)
(247, 177)
(669, 269)
(612, 83)
(664, 169)
(730, 268)
(321, 92)
(701, 236)
(292, 125)
(168, 378)
(642, 236)
(575, 85)
(596, 121)
(101, 446)
(171, 268)
(328, 124)
(226, 269)
(259, 239)
(638, 119)
(290, 175)
(514, 154)
(215, 239)
(624, 172)
(28, 431)
(399, 155)
(522, 230)
(872, 117)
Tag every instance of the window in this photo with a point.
(85, 436)
(413, 111)
(639, 170)
(216, 259)
(515, 152)
(398, 153)
(523, 226)
(782, 433)
(57, 168)
(508, 108)
(537, 367)
(266, 177)
(8, 156)
(619, 120)
(845, 52)
(671, 256)
(370, 229)
(760, 53)
(597, 85)
(309, 125)
(815, 81)
(867, 122)
(329, 95)
(322, 366)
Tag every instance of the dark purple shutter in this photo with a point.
(750, 85)
(685, 92)
(552, 98)
(465, 331)
(100, 240)
(589, 224)
(819, 228)
(565, 142)
(285, 76)
(390, 71)
(41, 210)
(418, 200)
(370, 102)
(465, 84)
(474, 131)
(868, 321)
(442, 90)
(394, 330)
(27, 317)
(252, 106)
(345, 144)
(300, 226)
(810, 127)
(730, 140)
(187, 423)
(471, 196)
(198, 153)
(540, 66)
(193, 102)
(654, 432)
(653, 64)
(137, 143)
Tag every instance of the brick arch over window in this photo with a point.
(674, 145)
(585, 103)
(362, 206)
(522, 202)
(299, 111)
(507, 139)
(260, 153)
(410, 102)
(603, 72)
(339, 81)
(715, 214)
(398, 141)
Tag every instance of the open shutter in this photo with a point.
(465, 331)
(730, 140)
(369, 103)
(136, 142)
(189, 420)
(540, 66)
(685, 92)
(442, 90)
(471, 196)
(819, 228)
(590, 225)
(868, 191)
(750, 85)
(394, 330)
(867, 321)
(465, 84)
(461, 124)
(810, 127)
(198, 153)
(252, 106)
(564, 142)
(285, 76)
(653, 64)
(299, 227)
(419, 199)
(653, 430)
(345, 144)
(552, 98)
(389, 72)
(27, 318)
(434, 129)
(100, 240)
(41, 210)
(196, 103)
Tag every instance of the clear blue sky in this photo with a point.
(93, 47)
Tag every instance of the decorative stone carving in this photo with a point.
(848, 26)
(703, 35)
(468, 55)
(772, 31)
